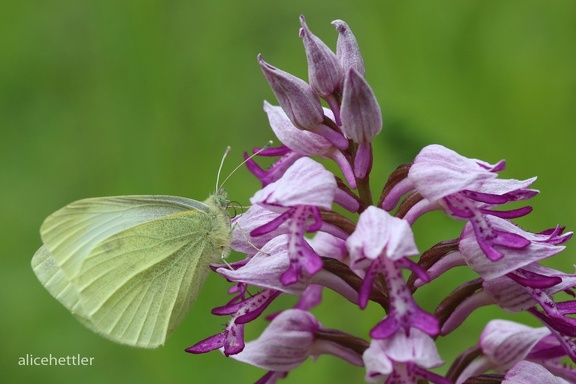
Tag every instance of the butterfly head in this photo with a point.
(220, 198)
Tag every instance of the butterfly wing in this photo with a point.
(72, 232)
(56, 282)
(129, 267)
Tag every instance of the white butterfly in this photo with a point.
(130, 267)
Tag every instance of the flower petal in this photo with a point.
(306, 182)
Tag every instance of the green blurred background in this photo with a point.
(142, 97)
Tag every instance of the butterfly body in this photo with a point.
(130, 267)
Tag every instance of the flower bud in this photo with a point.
(360, 114)
(324, 71)
(295, 96)
(347, 50)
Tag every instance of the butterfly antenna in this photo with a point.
(220, 167)
(268, 144)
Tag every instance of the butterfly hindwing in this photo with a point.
(147, 271)
(56, 282)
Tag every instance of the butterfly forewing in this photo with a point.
(72, 232)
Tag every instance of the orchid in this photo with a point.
(314, 227)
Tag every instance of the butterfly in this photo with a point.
(130, 267)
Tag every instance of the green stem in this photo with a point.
(364, 190)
